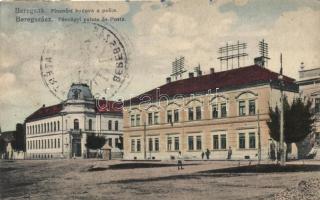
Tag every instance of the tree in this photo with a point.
(18, 143)
(298, 121)
(95, 142)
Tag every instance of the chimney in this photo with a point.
(191, 75)
(259, 61)
(44, 105)
(199, 73)
(168, 79)
(212, 70)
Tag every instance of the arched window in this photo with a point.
(90, 124)
(48, 130)
(109, 125)
(76, 124)
(41, 128)
(116, 125)
(51, 127)
(55, 126)
(58, 125)
(45, 127)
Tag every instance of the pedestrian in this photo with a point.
(202, 155)
(229, 153)
(180, 159)
(208, 154)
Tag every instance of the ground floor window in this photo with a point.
(252, 140)
(176, 143)
(190, 142)
(242, 141)
(199, 143)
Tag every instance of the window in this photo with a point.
(223, 110)
(214, 111)
(223, 141)
(150, 144)
(55, 143)
(51, 143)
(169, 144)
(176, 115)
(242, 108)
(252, 140)
(132, 120)
(176, 143)
(51, 127)
(55, 127)
(138, 145)
(156, 144)
(150, 119)
(90, 124)
(58, 142)
(110, 142)
(41, 144)
(48, 128)
(198, 113)
(169, 116)
(190, 142)
(41, 128)
(75, 124)
(190, 114)
(138, 120)
(58, 125)
(242, 141)
(252, 107)
(132, 145)
(109, 125)
(156, 118)
(317, 105)
(215, 141)
(199, 145)
(116, 125)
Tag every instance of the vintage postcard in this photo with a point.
(160, 99)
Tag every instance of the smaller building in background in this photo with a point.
(60, 131)
(309, 86)
(12, 143)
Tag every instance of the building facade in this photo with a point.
(215, 112)
(60, 131)
(309, 86)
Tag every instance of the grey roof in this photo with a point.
(79, 91)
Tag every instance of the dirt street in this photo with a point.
(97, 179)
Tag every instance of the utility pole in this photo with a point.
(282, 153)
(259, 140)
(145, 140)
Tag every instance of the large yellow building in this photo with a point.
(212, 112)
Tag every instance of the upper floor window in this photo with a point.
(132, 120)
(54, 126)
(242, 108)
(223, 110)
(90, 124)
(58, 126)
(252, 107)
(75, 124)
(176, 115)
(190, 114)
(116, 125)
(156, 118)
(150, 120)
(198, 113)
(169, 116)
(138, 120)
(214, 111)
(109, 125)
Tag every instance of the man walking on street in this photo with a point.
(180, 158)
(229, 153)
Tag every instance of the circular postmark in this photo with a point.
(85, 53)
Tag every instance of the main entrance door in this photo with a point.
(76, 147)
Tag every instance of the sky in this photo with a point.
(153, 34)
